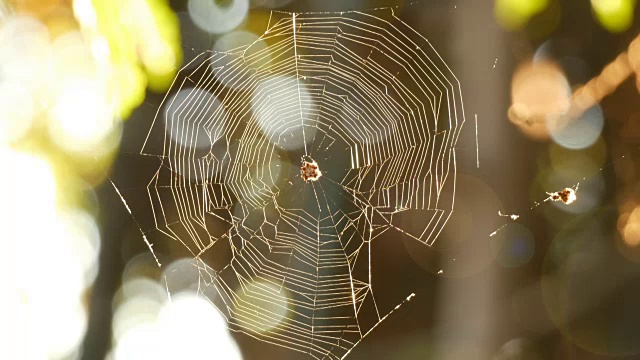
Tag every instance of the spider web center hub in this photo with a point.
(309, 171)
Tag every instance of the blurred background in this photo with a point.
(555, 88)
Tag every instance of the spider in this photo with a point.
(309, 171)
(567, 196)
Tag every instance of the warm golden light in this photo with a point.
(602, 85)
(631, 230)
(539, 92)
(531, 108)
(634, 55)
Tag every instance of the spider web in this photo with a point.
(360, 93)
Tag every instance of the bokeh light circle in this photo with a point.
(580, 133)
(273, 101)
(273, 310)
(569, 163)
(190, 275)
(141, 265)
(63, 329)
(134, 312)
(139, 343)
(24, 51)
(191, 327)
(188, 105)
(140, 287)
(17, 109)
(244, 52)
(539, 92)
(80, 231)
(214, 18)
(81, 118)
(589, 194)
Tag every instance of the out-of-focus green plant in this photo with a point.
(144, 49)
(614, 15)
(513, 14)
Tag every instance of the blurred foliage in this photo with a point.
(513, 14)
(613, 15)
(143, 38)
(144, 45)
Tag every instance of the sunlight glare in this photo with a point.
(17, 110)
(81, 117)
(192, 327)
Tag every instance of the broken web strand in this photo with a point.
(575, 186)
(137, 224)
(401, 156)
(550, 194)
(514, 217)
(590, 94)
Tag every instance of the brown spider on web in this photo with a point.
(309, 171)
(566, 195)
